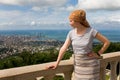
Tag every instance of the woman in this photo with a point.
(86, 63)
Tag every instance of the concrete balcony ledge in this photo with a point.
(31, 72)
(34, 72)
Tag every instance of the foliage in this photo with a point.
(57, 77)
(28, 58)
(112, 48)
(107, 77)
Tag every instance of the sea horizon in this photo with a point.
(112, 35)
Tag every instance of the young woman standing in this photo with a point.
(86, 63)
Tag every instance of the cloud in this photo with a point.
(20, 18)
(51, 13)
(99, 4)
(101, 11)
(10, 2)
(39, 3)
(33, 23)
(36, 13)
(110, 18)
(70, 8)
(8, 14)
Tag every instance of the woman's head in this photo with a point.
(80, 17)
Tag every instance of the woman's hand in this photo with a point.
(53, 66)
(93, 55)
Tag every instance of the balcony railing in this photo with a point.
(35, 72)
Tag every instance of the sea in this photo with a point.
(112, 35)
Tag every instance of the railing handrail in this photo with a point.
(34, 68)
(112, 54)
(110, 58)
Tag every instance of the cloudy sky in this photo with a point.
(53, 14)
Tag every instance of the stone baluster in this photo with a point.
(113, 65)
(49, 77)
(118, 78)
(67, 75)
(103, 65)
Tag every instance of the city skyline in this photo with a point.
(53, 14)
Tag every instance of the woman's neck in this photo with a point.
(81, 30)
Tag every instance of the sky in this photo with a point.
(53, 14)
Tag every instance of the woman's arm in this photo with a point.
(61, 53)
(105, 42)
(63, 49)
